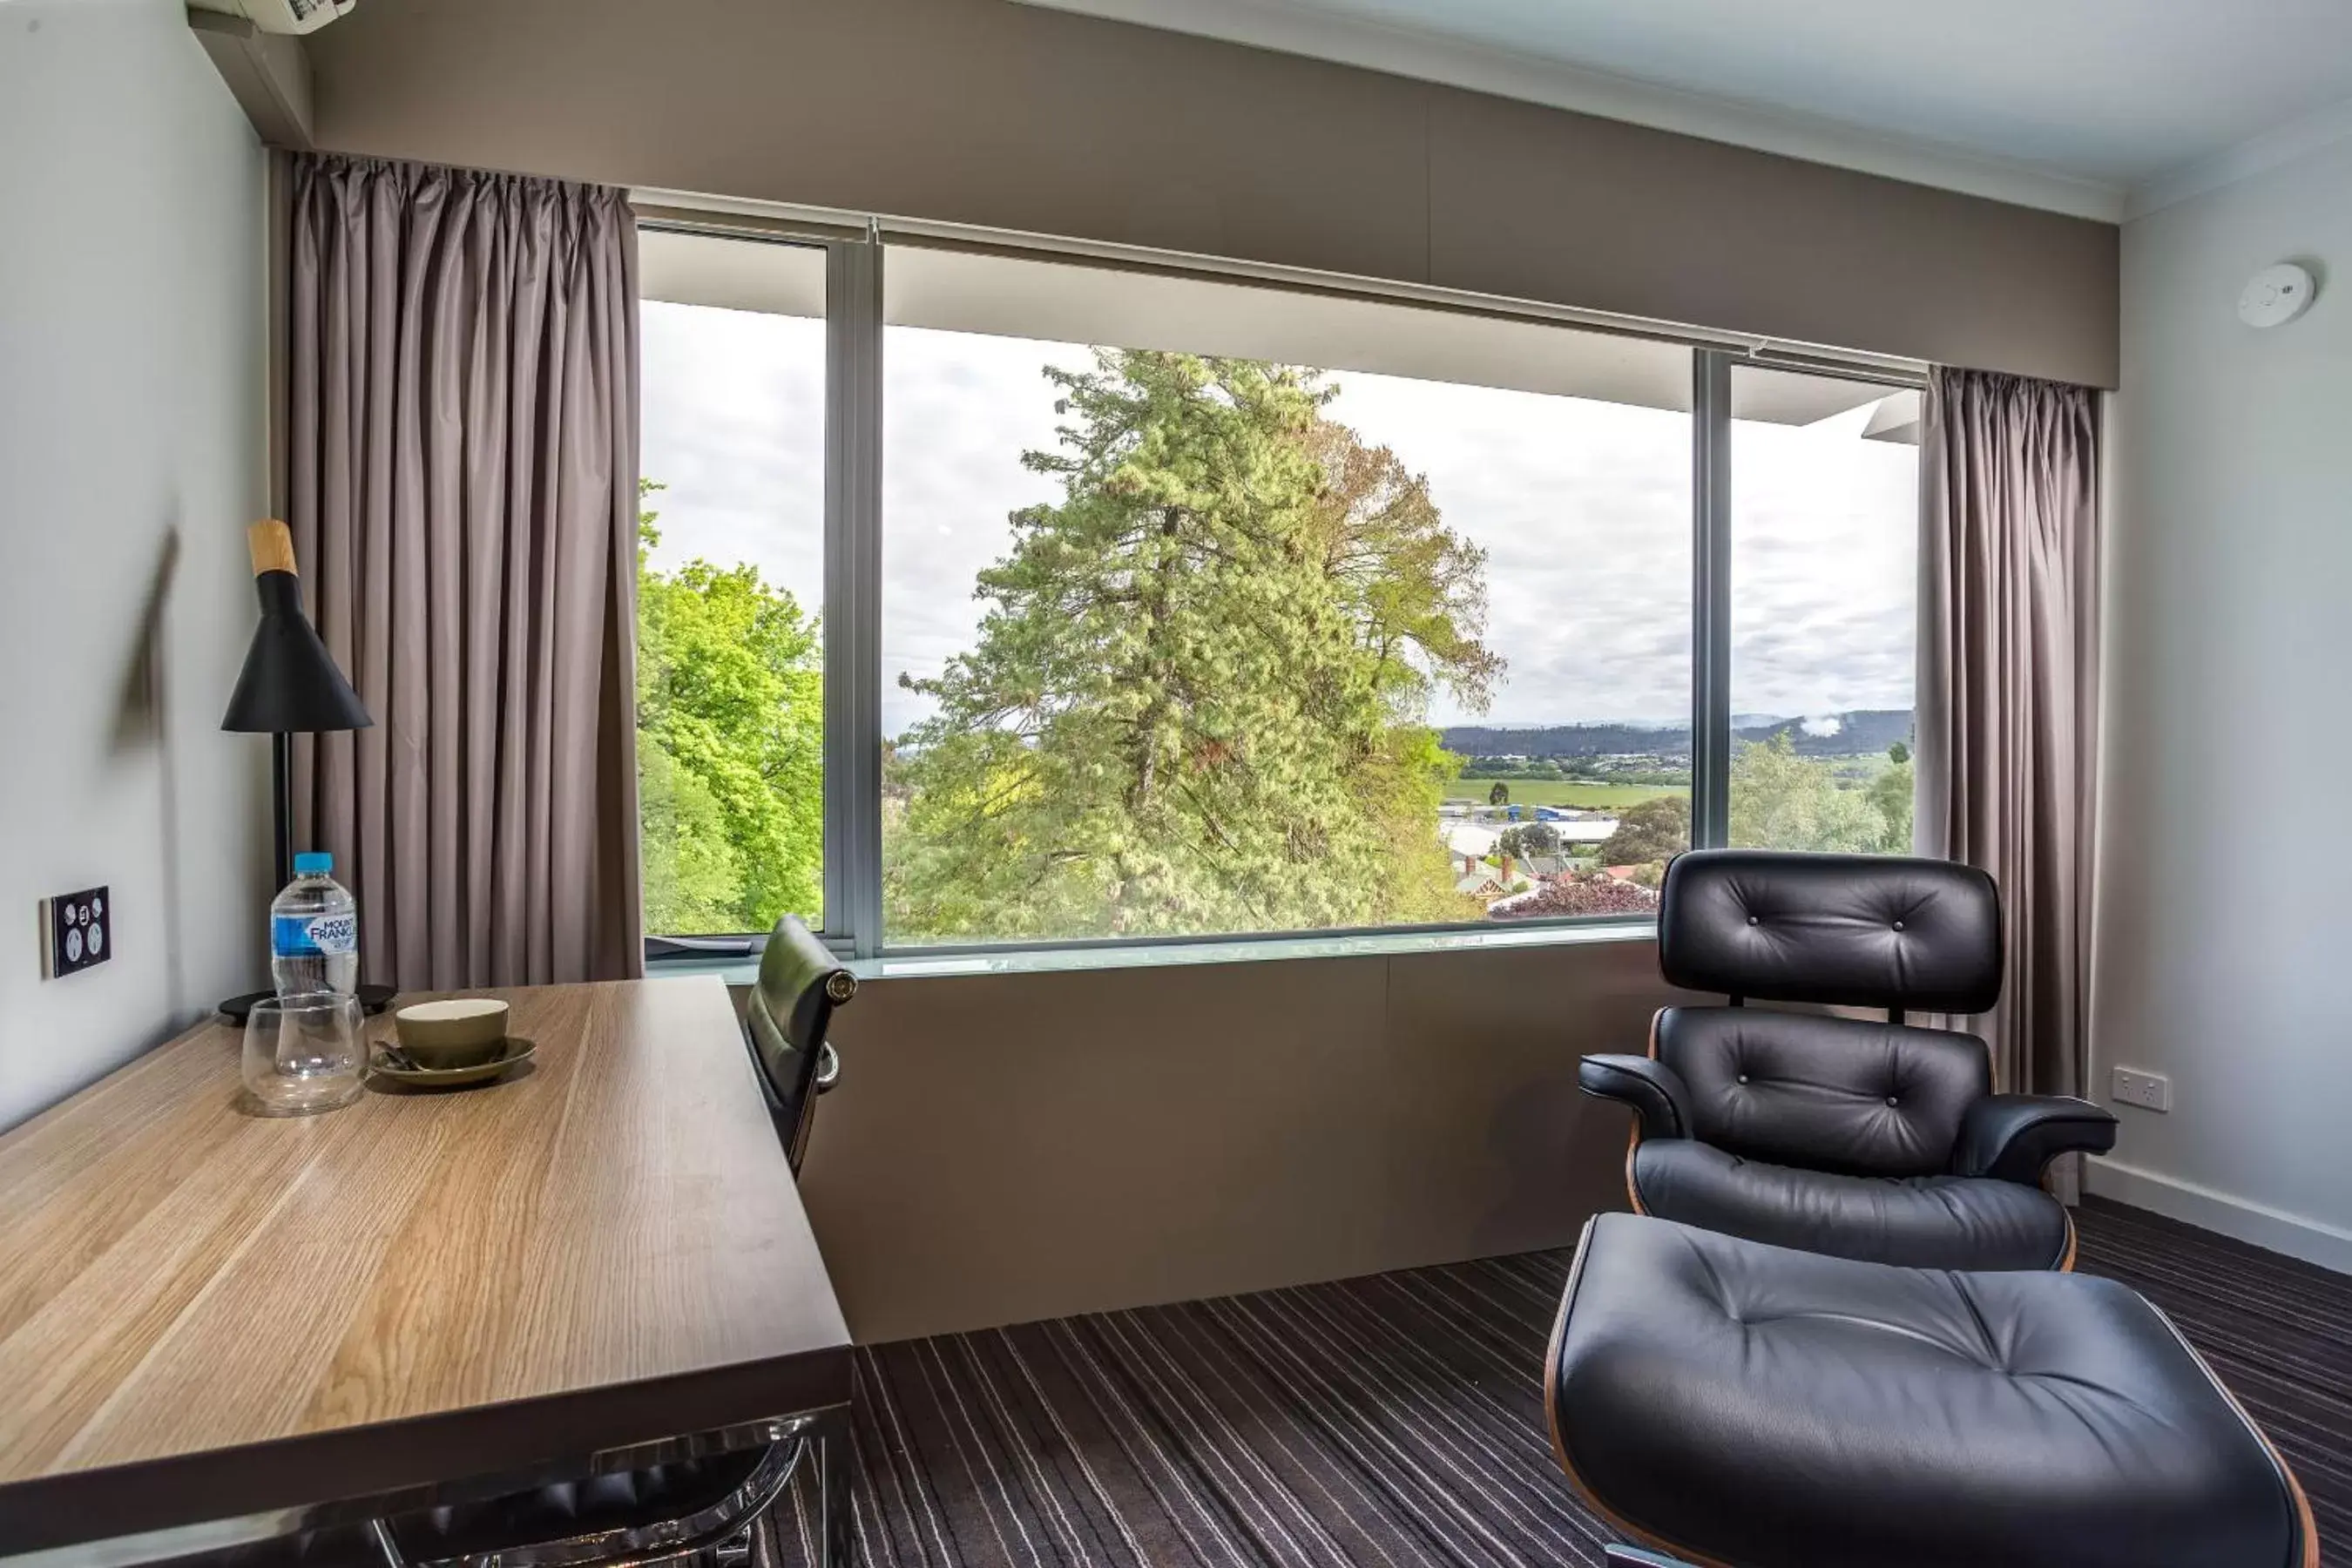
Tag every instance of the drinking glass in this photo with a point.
(305, 1053)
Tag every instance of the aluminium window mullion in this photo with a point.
(1710, 599)
(852, 597)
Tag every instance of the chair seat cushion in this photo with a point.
(1771, 1408)
(1918, 1222)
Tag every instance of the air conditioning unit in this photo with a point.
(280, 16)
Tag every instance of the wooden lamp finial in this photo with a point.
(271, 544)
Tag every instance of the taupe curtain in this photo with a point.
(2008, 702)
(460, 474)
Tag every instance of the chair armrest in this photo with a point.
(1654, 1091)
(2013, 1137)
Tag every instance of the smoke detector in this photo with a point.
(2277, 295)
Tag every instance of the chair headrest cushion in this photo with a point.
(1864, 931)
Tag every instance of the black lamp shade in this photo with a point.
(289, 684)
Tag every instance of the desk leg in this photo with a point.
(835, 1461)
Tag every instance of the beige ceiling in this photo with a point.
(2096, 107)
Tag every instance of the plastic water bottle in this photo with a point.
(314, 931)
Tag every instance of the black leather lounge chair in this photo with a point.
(1875, 1141)
(1751, 1407)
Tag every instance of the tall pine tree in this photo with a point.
(1198, 698)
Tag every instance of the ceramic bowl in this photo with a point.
(462, 1031)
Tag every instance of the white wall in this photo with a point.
(132, 455)
(2225, 931)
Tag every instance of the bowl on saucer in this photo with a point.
(455, 1032)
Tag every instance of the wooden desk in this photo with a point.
(204, 1313)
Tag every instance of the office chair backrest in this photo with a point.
(1861, 931)
(800, 985)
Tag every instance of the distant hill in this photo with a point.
(1863, 730)
(1827, 735)
(1569, 740)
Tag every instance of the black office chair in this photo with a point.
(1875, 1141)
(719, 1493)
(800, 985)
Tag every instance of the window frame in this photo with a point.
(857, 254)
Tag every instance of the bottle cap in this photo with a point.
(313, 863)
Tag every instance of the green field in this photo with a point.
(1563, 792)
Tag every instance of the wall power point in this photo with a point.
(2148, 1091)
(77, 931)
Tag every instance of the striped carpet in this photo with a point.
(1398, 1419)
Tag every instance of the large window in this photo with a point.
(730, 581)
(992, 599)
(1209, 609)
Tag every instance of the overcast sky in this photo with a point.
(1583, 507)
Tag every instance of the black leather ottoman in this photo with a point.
(1750, 1405)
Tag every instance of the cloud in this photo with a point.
(733, 424)
(1824, 724)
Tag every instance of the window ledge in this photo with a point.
(1138, 955)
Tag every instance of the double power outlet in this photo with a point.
(2148, 1091)
(77, 933)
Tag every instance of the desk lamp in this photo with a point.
(289, 687)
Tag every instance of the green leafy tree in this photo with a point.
(1529, 838)
(1197, 698)
(1780, 800)
(1898, 753)
(1654, 830)
(1499, 796)
(731, 752)
(1892, 793)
